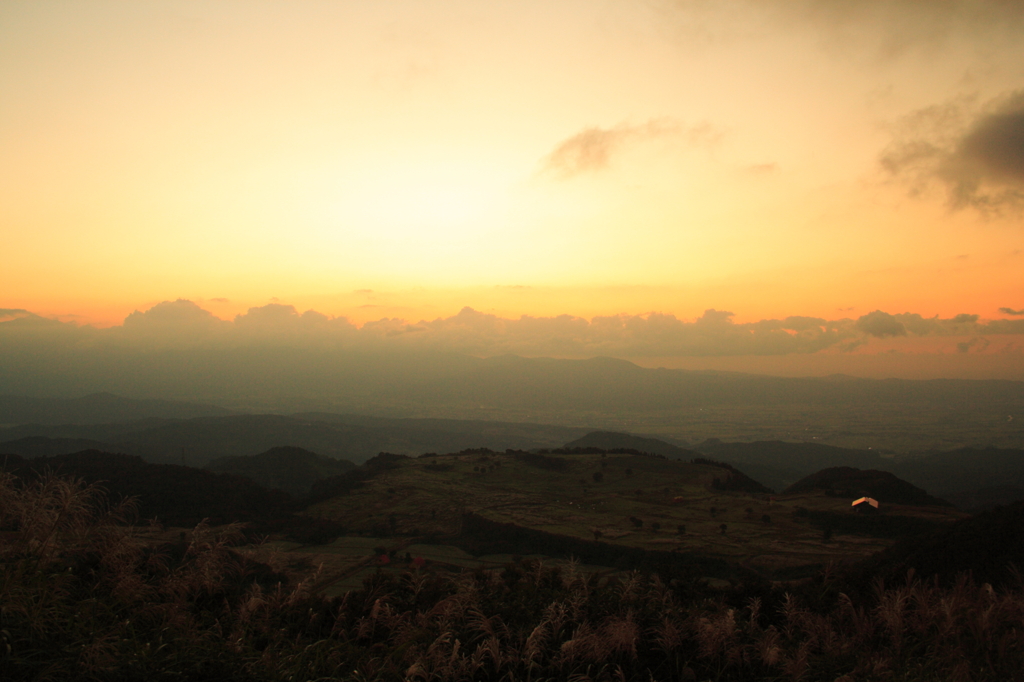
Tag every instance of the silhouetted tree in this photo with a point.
(722, 528)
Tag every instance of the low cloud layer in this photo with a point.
(183, 324)
(976, 153)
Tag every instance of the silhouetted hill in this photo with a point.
(954, 475)
(290, 469)
(611, 440)
(779, 464)
(732, 478)
(97, 408)
(854, 483)
(989, 545)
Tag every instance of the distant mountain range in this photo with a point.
(169, 432)
(509, 382)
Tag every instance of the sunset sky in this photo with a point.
(593, 159)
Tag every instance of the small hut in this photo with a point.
(865, 505)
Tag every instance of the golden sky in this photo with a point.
(407, 159)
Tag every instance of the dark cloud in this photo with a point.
(977, 342)
(977, 154)
(656, 334)
(24, 320)
(1002, 327)
(171, 324)
(918, 325)
(1011, 311)
(220, 300)
(170, 313)
(801, 324)
(14, 313)
(281, 323)
(271, 315)
(881, 324)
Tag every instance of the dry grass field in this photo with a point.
(632, 501)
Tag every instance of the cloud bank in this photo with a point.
(183, 324)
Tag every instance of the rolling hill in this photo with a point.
(290, 469)
(612, 440)
(851, 483)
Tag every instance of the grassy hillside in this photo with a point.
(612, 440)
(629, 501)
